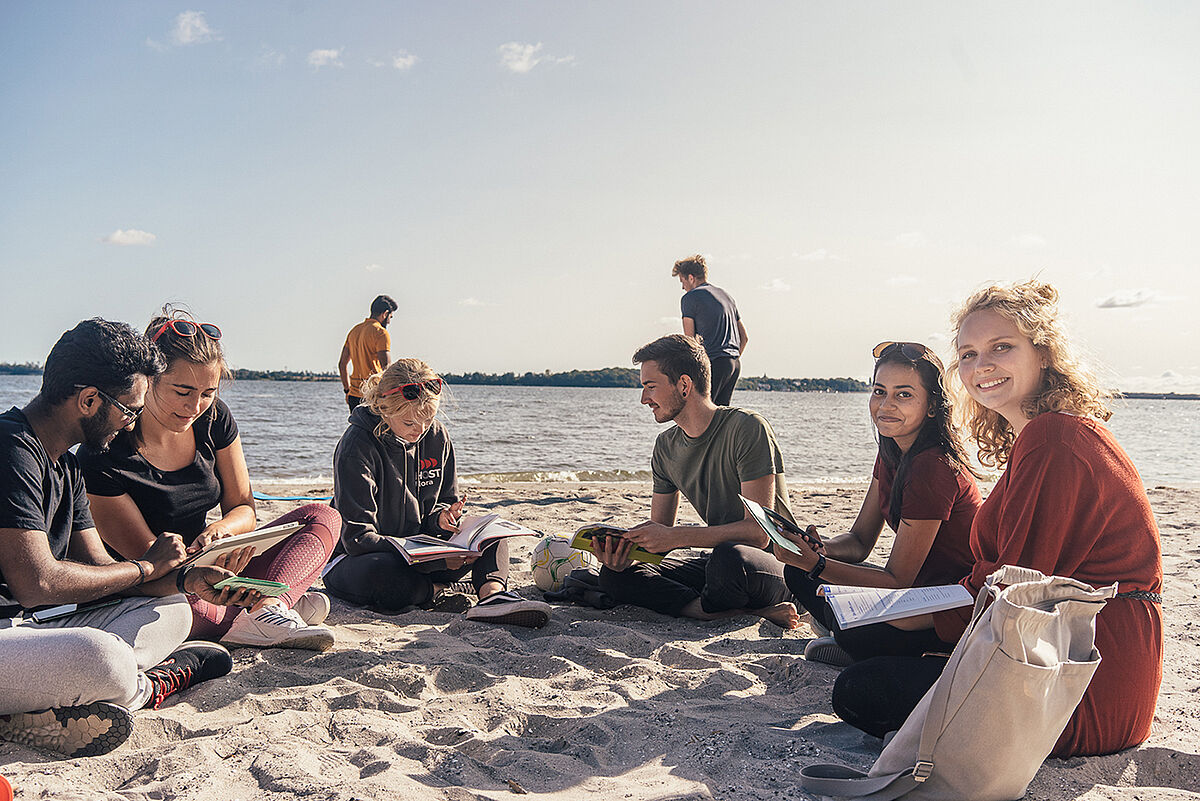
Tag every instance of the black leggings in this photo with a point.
(382, 580)
(862, 642)
(732, 577)
(725, 372)
(877, 695)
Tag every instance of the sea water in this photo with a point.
(290, 428)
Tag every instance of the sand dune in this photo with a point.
(615, 704)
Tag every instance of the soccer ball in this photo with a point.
(553, 559)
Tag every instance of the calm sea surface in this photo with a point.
(289, 430)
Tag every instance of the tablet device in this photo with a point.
(262, 539)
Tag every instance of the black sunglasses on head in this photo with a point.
(413, 391)
(913, 351)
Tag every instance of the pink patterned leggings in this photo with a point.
(297, 561)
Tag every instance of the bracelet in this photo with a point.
(179, 579)
(820, 565)
(141, 573)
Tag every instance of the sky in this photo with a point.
(522, 176)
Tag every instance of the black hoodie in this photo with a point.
(384, 485)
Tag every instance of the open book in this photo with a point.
(583, 541)
(474, 534)
(261, 539)
(858, 606)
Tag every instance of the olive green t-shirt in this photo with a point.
(709, 470)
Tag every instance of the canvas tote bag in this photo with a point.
(1004, 697)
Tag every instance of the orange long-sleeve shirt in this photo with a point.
(1072, 504)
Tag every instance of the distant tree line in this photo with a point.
(283, 375)
(608, 377)
(28, 368)
(629, 377)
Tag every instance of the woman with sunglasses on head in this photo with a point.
(1069, 503)
(182, 459)
(922, 487)
(393, 475)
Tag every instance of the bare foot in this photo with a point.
(784, 615)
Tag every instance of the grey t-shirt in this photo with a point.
(716, 318)
(709, 470)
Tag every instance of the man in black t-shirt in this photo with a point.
(710, 313)
(69, 676)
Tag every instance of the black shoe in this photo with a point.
(75, 731)
(190, 663)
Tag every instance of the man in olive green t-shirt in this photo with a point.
(711, 455)
(369, 347)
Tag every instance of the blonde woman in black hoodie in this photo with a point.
(393, 475)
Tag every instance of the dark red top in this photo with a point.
(936, 490)
(1072, 504)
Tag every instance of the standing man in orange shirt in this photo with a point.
(369, 347)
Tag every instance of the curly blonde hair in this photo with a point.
(1067, 385)
(375, 391)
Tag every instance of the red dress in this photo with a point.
(1072, 504)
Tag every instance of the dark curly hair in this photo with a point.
(97, 353)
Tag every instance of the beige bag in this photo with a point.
(1012, 683)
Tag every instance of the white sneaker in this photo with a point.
(508, 607)
(274, 626)
(313, 608)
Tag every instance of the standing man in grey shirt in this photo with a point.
(709, 311)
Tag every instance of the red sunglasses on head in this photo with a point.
(413, 391)
(186, 328)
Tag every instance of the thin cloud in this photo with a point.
(1127, 299)
(521, 57)
(911, 239)
(373, 268)
(404, 60)
(820, 254)
(270, 58)
(325, 58)
(777, 285)
(902, 280)
(517, 57)
(129, 237)
(474, 303)
(192, 28)
(1029, 241)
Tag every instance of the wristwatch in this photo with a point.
(179, 580)
(818, 567)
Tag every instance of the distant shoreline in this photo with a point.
(610, 377)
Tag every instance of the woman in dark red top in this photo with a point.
(921, 487)
(1070, 503)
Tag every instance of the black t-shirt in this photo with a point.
(36, 493)
(169, 500)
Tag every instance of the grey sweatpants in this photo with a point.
(92, 656)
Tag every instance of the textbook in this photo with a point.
(474, 534)
(583, 541)
(859, 606)
(261, 539)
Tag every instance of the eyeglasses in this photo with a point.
(128, 415)
(913, 351)
(186, 328)
(413, 391)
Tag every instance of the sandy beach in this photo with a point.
(617, 704)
